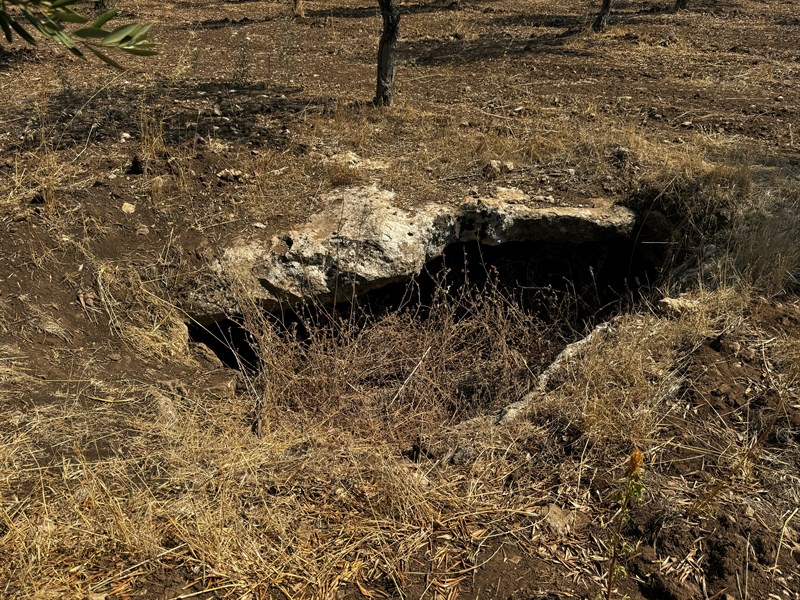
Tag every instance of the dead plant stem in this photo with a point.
(612, 567)
(780, 539)
(410, 375)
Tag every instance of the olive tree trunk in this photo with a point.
(387, 52)
(602, 17)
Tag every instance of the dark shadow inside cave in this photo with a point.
(577, 285)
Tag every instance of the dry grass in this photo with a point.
(151, 325)
(325, 496)
(399, 375)
(379, 463)
(39, 178)
(376, 454)
(619, 391)
(764, 241)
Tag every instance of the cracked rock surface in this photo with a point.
(364, 240)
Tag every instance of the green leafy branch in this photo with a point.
(50, 17)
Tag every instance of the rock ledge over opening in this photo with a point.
(364, 241)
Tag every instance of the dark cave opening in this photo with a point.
(229, 340)
(577, 284)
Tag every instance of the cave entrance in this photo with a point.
(576, 285)
(229, 340)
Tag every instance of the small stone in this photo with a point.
(230, 174)
(496, 168)
(747, 353)
(509, 194)
(561, 521)
(128, 208)
(142, 230)
(87, 298)
(623, 154)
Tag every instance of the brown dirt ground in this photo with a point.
(91, 296)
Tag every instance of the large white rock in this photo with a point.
(364, 241)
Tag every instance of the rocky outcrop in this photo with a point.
(364, 241)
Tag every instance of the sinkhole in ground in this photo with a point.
(574, 285)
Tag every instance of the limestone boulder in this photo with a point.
(365, 239)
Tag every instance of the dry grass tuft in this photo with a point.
(39, 178)
(765, 241)
(342, 175)
(153, 326)
(620, 388)
(151, 134)
(392, 377)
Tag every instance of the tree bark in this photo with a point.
(679, 4)
(387, 52)
(602, 17)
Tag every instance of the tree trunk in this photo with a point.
(679, 4)
(387, 51)
(602, 17)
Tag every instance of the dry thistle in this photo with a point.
(630, 492)
(635, 462)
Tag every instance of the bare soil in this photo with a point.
(128, 466)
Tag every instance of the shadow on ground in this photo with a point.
(10, 59)
(256, 114)
(456, 50)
